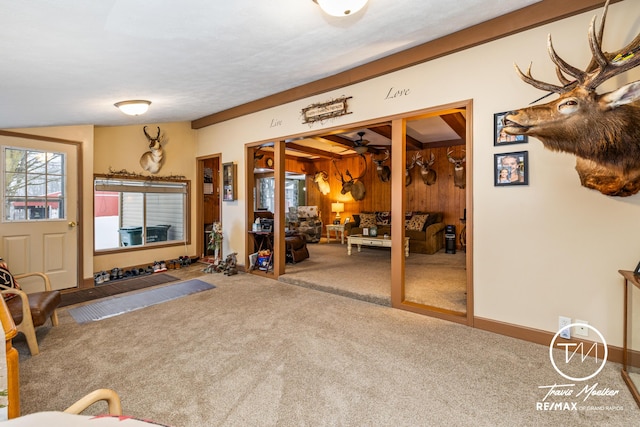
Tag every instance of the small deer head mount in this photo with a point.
(151, 161)
(407, 170)
(321, 179)
(459, 172)
(601, 130)
(428, 174)
(355, 186)
(383, 171)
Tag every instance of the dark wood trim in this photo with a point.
(536, 335)
(515, 22)
(38, 137)
(631, 385)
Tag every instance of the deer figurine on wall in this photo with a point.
(459, 171)
(601, 130)
(428, 174)
(151, 161)
(355, 186)
(383, 171)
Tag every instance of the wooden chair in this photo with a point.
(110, 396)
(33, 309)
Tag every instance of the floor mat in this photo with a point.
(117, 287)
(126, 303)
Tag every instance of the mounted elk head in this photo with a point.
(601, 130)
(428, 174)
(355, 186)
(459, 171)
(151, 161)
(321, 179)
(383, 171)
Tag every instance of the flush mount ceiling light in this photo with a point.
(134, 107)
(341, 7)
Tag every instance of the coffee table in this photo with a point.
(360, 240)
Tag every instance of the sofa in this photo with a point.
(305, 220)
(425, 230)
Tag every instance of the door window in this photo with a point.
(33, 184)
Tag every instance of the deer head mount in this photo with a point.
(383, 171)
(407, 170)
(321, 179)
(459, 171)
(601, 130)
(355, 186)
(428, 174)
(151, 161)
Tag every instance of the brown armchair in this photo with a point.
(32, 310)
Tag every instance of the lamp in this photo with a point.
(134, 107)
(341, 7)
(360, 149)
(337, 208)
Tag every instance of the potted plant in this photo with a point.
(215, 241)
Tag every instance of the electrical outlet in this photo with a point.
(562, 322)
(581, 330)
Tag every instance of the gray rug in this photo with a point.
(124, 304)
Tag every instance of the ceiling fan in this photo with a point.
(360, 145)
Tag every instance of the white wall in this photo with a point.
(543, 250)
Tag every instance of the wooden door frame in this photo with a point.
(199, 189)
(79, 189)
(398, 164)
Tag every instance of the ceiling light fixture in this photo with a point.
(360, 149)
(341, 7)
(134, 107)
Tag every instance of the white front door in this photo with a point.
(39, 209)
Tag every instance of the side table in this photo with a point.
(631, 339)
(337, 228)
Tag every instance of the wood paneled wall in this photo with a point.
(443, 196)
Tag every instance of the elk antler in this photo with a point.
(341, 177)
(602, 67)
(365, 168)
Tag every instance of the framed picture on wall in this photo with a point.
(511, 168)
(502, 138)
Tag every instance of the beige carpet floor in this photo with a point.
(258, 352)
(437, 280)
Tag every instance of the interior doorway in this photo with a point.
(332, 151)
(208, 191)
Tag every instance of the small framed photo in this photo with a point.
(502, 138)
(365, 231)
(511, 168)
(346, 220)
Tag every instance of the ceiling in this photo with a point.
(67, 62)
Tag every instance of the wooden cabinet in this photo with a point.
(229, 185)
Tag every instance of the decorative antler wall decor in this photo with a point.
(428, 174)
(151, 161)
(355, 186)
(383, 171)
(601, 130)
(459, 171)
